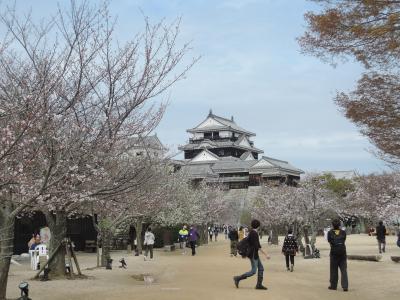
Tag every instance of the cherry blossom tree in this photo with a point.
(69, 94)
(375, 197)
(302, 208)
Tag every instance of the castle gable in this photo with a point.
(210, 122)
(205, 155)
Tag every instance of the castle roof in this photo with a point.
(213, 122)
(209, 164)
(207, 144)
(148, 142)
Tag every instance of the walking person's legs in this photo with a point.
(291, 263)
(383, 246)
(250, 273)
(151, 251)
(287, 261)
(235, 248)
(146, 251)
(193, 246)
(380, 246)
(343, 273)
(260, 276)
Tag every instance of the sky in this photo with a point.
(251, 68)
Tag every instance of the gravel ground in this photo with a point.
(208, 275)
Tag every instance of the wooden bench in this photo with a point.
(90, 246)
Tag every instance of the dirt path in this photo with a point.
(209, 276)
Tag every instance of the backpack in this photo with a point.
(243, 247)
(338, 247)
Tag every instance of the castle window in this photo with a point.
(207, 135)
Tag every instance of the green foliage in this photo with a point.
(341, 187)
(160, 231)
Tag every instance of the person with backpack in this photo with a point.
(381, 236)
(249, 247)
(338, 256)
(289, 249)
(234, 238)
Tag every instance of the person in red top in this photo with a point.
(255, 261)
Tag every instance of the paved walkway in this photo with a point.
(208, 276)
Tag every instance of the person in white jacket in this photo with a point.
(149, 243)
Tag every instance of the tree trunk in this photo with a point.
(313, 236)
(106, 235)
(6, 250)
(365, 257)
(362, 227)
(58, 227)
(167, 237)
(307, 250)
(139, 227)
(274, 235)
(203, 232)
(299, 236)
(306, 236)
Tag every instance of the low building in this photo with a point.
(147, 145)
(220, 151)
(350, 175)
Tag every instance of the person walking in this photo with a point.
(193, 237)
(338, 256)
(241, 233)
(234, 238)
(255, 261)
(149, 239)
(289, 249)
(216, 231)
(210, 233)
(226, 230)
(381, 236)
(183, 235)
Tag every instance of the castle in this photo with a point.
(220, 151)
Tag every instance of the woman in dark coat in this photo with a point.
(289, 249)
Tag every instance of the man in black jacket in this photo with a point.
(255, 261)
(338, 256)
(381, 236)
